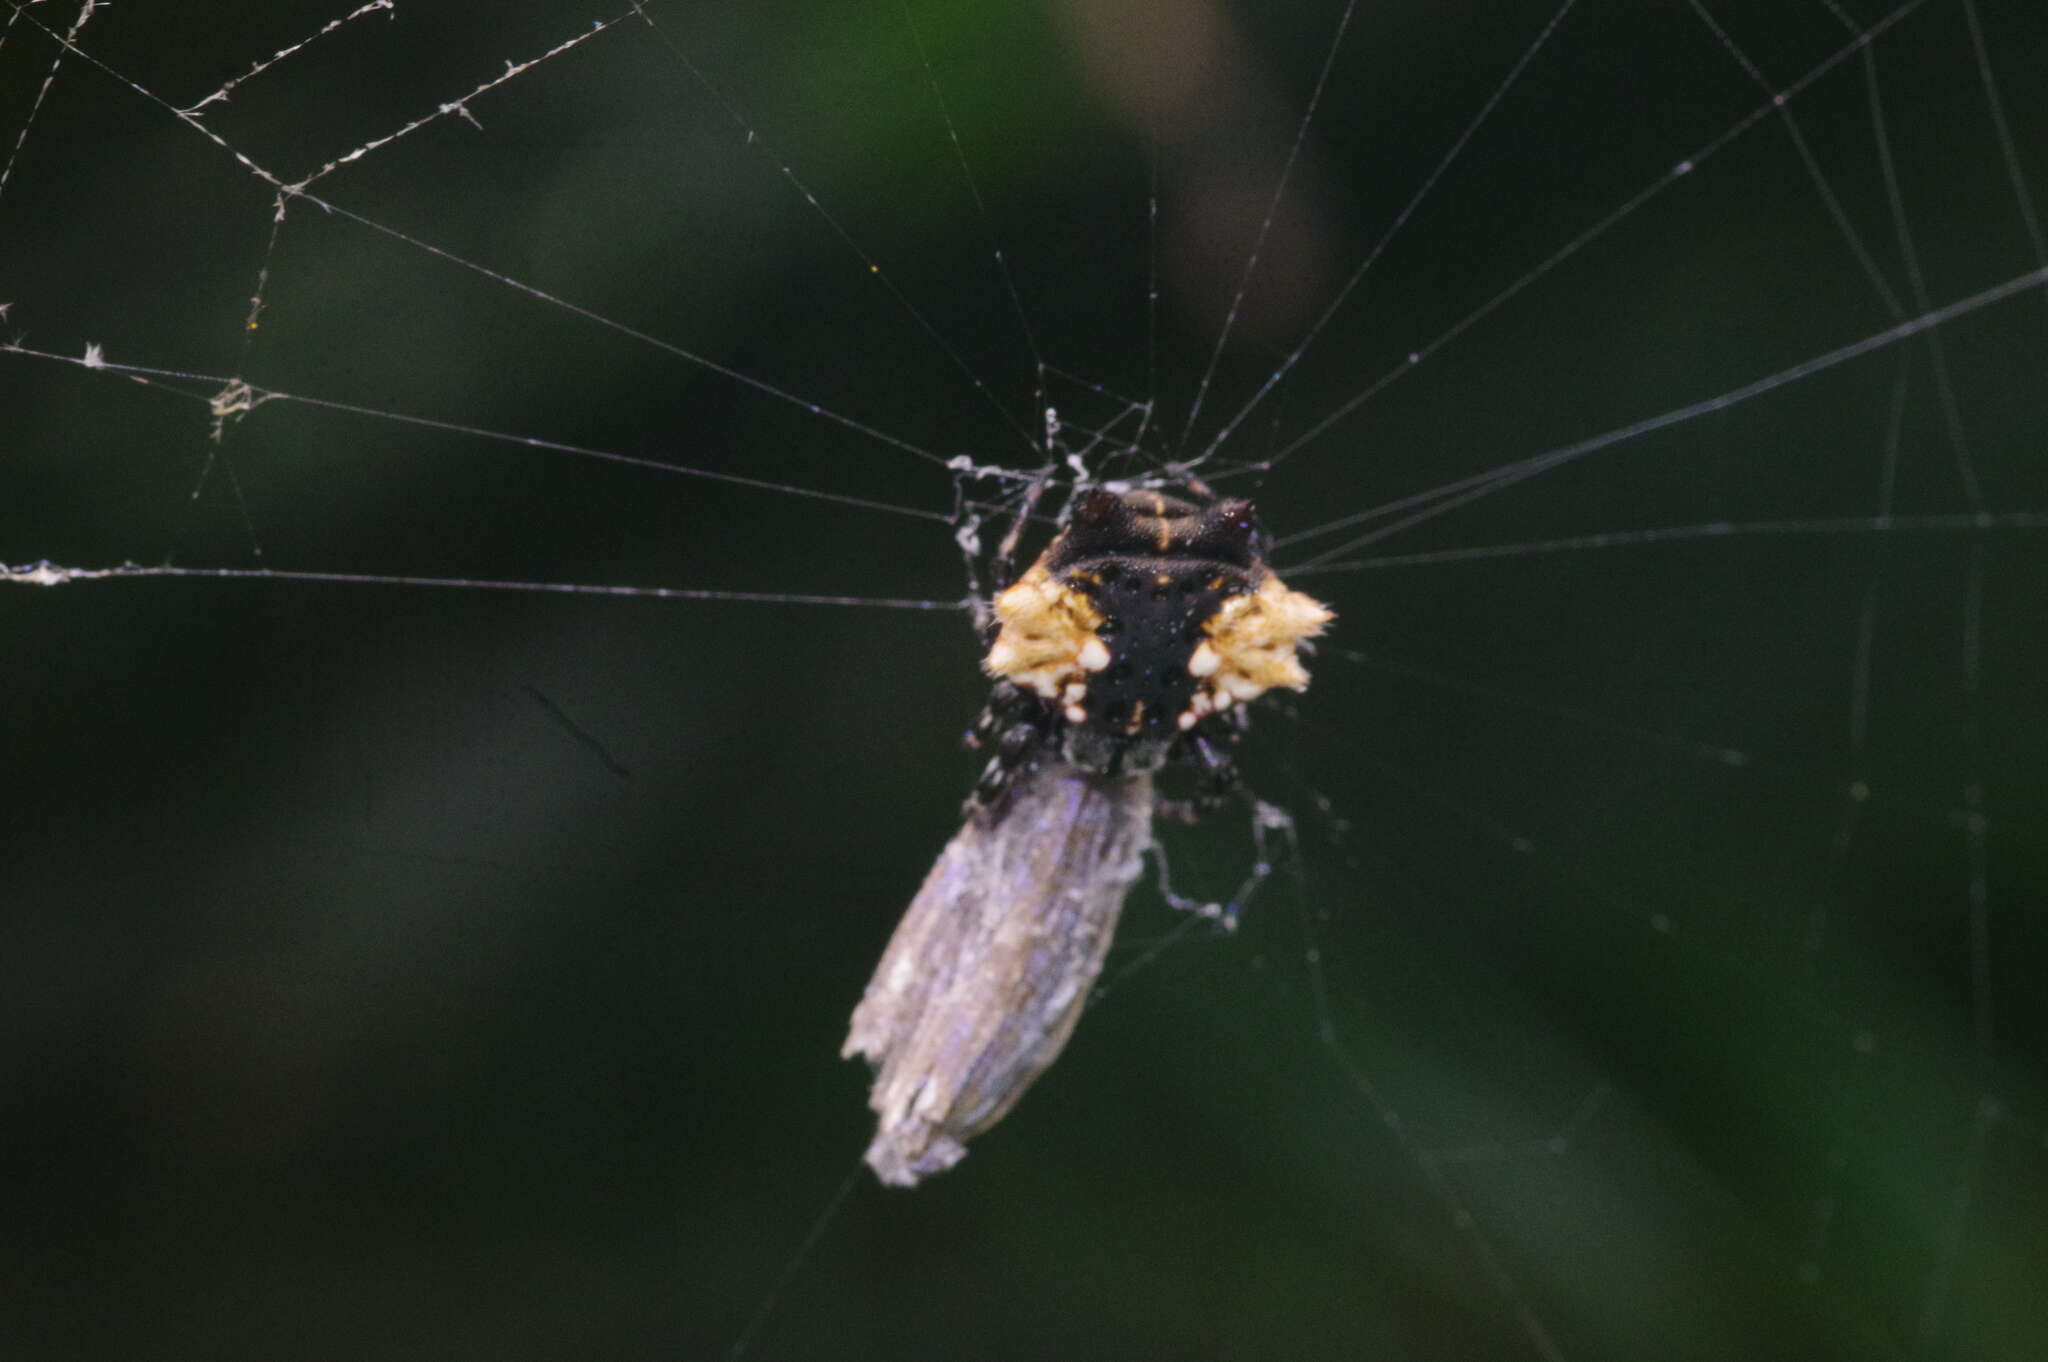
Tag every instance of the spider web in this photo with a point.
(455, 963)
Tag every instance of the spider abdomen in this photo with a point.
(1143, 618)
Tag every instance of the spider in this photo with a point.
(1134, 642)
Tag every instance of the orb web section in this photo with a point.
(429, 419)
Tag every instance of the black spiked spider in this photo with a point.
(1133, 642)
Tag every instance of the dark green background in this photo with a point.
(354, 1008)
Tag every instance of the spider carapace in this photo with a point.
(1135, 641)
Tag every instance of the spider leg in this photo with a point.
(1004, 566)
(1219, 779)
(1015, 725)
